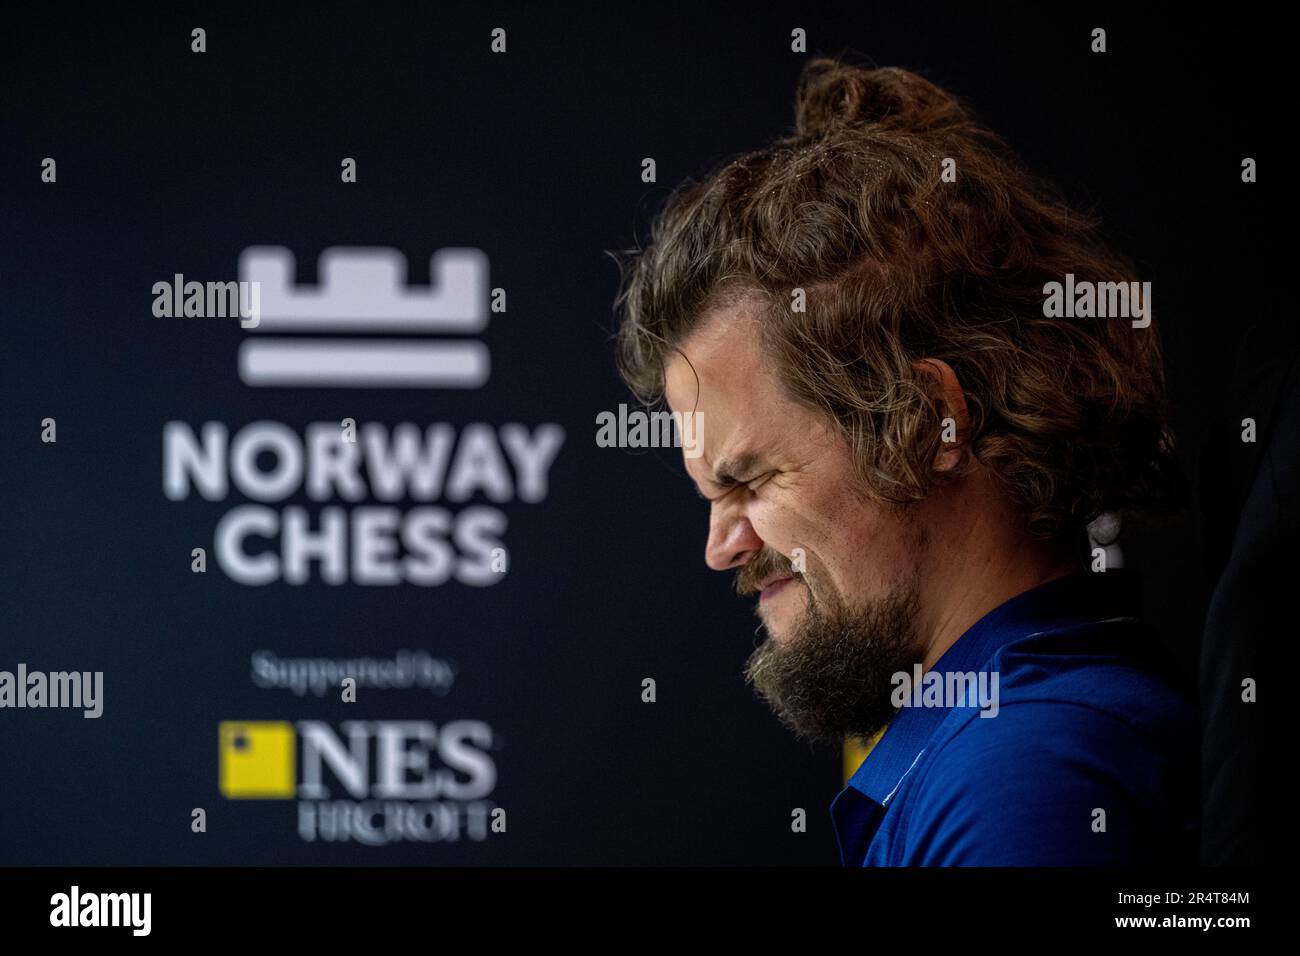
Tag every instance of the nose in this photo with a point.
(732, 540)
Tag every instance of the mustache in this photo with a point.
(766, 563)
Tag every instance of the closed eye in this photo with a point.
(728, 485)
(731, 484)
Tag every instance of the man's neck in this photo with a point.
(986, 568)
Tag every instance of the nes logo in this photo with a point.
(364, 290)
(401, 780)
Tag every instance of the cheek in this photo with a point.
(873, 551)
(850, 544)
(786, 524)
(778, 523)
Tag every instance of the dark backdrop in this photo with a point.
(169, 161)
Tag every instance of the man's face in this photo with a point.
(784, 496)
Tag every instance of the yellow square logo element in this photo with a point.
(256, 760)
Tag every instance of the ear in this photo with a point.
(954, 408)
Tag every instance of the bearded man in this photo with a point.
(920, 464)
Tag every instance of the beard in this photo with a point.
(834, 674)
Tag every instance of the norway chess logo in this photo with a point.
(349, 502)
(317, 336)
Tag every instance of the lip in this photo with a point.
(773, 586)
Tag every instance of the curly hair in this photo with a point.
(898, 263)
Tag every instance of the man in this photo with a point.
(906, 443)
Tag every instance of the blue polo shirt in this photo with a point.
(1089, 760)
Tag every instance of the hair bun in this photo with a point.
(831, 95)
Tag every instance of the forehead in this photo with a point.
(723, 351)
(719, 365)
(720, 373)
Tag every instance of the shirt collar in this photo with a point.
(1077, 598)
